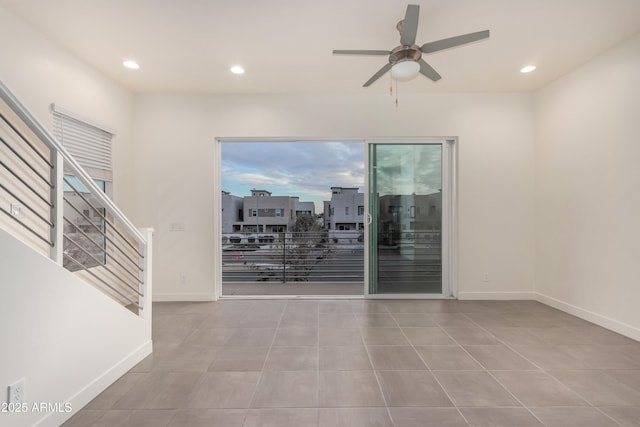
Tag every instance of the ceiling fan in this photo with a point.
(405, 61)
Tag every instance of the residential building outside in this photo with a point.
(345, 211)
(262, 212)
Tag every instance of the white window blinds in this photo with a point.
(89, 145)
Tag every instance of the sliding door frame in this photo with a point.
(449, 217)
(449, 149)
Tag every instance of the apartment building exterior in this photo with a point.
(345, 210)
(262, 212)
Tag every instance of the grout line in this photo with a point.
(539, 368)
(273, 339)
(373, 368)
(427, 365)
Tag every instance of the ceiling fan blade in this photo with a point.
(410, 25)
(362, 52)
(377, 75)
(428, 71)
(454, 41)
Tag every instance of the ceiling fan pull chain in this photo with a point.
(396, 94)
(390, 85)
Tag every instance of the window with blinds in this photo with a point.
(85, 227)
(88, 144)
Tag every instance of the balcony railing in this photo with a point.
(292, 257)
(50, 203)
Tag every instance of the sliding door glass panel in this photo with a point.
(405, 236)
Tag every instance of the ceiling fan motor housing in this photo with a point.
(405, 53)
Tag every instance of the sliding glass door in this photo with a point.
(409, 198)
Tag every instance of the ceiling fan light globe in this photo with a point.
(405, 70)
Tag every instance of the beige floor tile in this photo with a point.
(204, 338)
(234, 363)
(335, 307)
(455, 320)
(573, 417)
(490, 319)
(499, 417)
(349, 389)
(412, 388)
(296, 337)
(292, 359)
(474, 388)
(421, 417)
(85, 418)
(209, 418)
(148, 418)
(517, 336)
(344, 358)
(626, 416)
(603, 356)
(549, 357)
(498, 357)
(380, 320)
(307, 417)
(113, 418)
(111, 395)
(447, 357)
(287, 390)
(300, 319)
(354, 417)
(414, 320)
(384, 336)
(160, 390)
(472, 336)
(598, 388)
(537, 388)
(251, 337)
(395, 358)
(630, 378)
(239, 359)
(185, 359)
(337, 320)
(347, 336)
(231, 390)
(427, 336)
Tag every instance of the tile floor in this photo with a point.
(357, 363)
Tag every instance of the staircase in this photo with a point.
(75, 275)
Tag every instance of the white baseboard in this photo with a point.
(496, 295)
(600, 320)
(88, 393)
(172, 297)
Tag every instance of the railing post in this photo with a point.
(146, 263)
(57, 211)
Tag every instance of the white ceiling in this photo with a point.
(286, 45)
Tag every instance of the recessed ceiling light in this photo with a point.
(131, 64)
(236, 69)
(527, 69)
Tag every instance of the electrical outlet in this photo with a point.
(183, 278)
(16, 392)
(485, 277)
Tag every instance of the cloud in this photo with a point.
(309, 169)
(304, 169)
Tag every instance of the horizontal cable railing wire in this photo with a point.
(291, 257)
(22, 159)
(82, 228)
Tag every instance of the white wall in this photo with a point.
(587, 199)
(67, 339)
(39, 72)
(174, 176)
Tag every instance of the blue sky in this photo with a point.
(304, 169)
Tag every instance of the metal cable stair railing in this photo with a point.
(71, 221)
